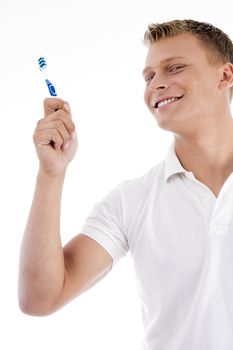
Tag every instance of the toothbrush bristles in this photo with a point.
(42, 63)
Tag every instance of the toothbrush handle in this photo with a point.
(51, 88)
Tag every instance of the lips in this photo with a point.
(166, 98)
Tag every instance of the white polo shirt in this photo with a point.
(181, 241)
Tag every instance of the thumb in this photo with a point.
(51, 105)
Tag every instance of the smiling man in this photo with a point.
(176, 220)
(188, 79)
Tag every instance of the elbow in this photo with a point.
(34, 307)
(32, 311)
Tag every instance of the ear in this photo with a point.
(226, 76)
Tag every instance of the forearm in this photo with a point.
(42, 269)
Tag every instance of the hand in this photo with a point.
(55, 137)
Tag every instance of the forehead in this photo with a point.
(183, 45)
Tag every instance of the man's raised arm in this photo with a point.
(50, 275)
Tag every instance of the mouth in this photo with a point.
(166, 102)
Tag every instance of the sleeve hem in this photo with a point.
(112, 249)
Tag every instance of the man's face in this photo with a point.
(178, 67)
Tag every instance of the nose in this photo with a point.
(158, 83)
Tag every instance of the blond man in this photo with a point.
(176, 220)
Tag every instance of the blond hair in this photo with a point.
(218, 45)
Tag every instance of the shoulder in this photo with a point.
(131, 195)
(141, 186)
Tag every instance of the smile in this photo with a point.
(166, 102)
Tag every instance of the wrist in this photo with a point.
(51, 176)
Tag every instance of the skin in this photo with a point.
(201, 121)
(51, 275)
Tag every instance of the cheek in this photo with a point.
(147, 97)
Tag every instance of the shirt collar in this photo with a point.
(172, 163)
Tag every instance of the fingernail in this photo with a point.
(66, 145)
(66, 107)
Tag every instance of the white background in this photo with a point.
(95, 56)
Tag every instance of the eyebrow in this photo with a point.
(166, 60)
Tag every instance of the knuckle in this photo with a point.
(47, 100)
(36, 132)
(39, 122)
(70, 127)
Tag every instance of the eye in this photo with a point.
(174, 68)
(149, 77)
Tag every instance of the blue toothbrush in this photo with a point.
(43, 65)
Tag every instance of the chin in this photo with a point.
(174, 126)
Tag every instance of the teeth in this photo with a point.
(169, 100)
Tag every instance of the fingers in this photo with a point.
(60, 116)
(53, 132)
(57, 127)
(49, 137)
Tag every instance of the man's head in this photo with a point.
(188, 59)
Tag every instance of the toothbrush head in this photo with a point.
(42, 63)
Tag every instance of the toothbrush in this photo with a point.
(42, 66)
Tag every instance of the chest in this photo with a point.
(176, 252)
(172, 242)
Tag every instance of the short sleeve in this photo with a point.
(105, 224)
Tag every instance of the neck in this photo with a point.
(210, 151)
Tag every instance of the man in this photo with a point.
(176, 220)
